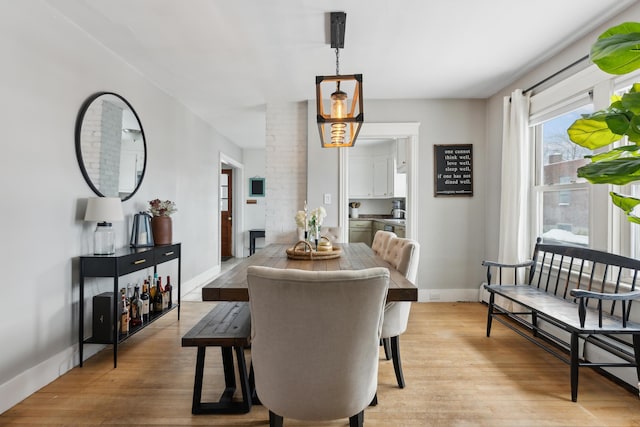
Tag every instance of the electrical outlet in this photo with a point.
(327, 198)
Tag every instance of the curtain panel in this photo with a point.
(514, 242)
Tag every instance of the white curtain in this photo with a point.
(514, 244)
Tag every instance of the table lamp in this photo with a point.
(104, 210)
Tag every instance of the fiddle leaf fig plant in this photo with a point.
(617, 51)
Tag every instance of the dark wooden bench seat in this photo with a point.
(228, 326)
(570, 292)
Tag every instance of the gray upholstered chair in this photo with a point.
(307, 364)
(334, 234)
(380, 241)
(404, 255)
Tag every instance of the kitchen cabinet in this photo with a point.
(360, 177)
(373, 177)
(381, 171)
(360, 231)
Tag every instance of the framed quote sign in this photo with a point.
(453, 168)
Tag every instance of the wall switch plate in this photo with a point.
(327, 198)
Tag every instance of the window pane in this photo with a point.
(565, 206)
(566, 217)
(560, 157)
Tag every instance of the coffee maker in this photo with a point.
(397, 209)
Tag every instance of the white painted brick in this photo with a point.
(286, 169)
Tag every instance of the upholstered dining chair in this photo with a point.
(404, 255)
(380, 241)
(334, 234)
(295, 317)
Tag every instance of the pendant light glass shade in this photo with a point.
(340, 116)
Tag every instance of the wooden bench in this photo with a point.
(227, 326)
(585, 293)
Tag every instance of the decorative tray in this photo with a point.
(304, 251)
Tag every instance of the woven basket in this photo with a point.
(304, 251)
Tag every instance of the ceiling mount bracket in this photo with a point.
(338, 25)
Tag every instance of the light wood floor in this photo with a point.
(455, 377)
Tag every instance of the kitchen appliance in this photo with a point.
(397, 209)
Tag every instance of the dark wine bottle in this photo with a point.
(152, 297)
(157, 300)
(144, 296)
(136, 307)
(168, 289)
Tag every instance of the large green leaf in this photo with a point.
(631, 102)
(617, 50)
(616, 153)
(627, 204)
(592, 132)
(619, 171)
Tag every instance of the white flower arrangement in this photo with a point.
(310, 220)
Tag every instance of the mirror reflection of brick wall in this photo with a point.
(101, 141)
(111, 129)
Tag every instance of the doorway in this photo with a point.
(408, 132)
(226, 214)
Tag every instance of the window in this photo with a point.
(562, 199)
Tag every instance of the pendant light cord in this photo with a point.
(337, 62)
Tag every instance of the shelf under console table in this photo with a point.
(124, 261)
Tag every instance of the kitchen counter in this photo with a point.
(363, 228)
(378, 218)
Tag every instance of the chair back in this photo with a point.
(404, 255)
(334, 234)
(380, 241)
(315, 339)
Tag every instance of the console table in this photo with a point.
(124, 261)
(253, 235)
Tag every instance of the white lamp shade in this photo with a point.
(107, 209)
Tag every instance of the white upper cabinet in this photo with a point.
(373, 173)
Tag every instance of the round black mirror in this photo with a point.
(110, 146)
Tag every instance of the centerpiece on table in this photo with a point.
(161, 225)
(311, 222)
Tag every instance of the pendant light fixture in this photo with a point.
(340, 116)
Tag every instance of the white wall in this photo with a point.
(255, 214)
(49, 68)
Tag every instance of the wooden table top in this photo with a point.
(232, 285)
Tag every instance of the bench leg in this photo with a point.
(225, 405)
(534, 322)
(197, 382)
(636, 353)
(574, 366)
(490, 312)
(247, 392)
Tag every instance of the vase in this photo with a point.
(162, 230)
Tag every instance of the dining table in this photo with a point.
(232, 284)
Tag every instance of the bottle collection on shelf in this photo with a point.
(137, 308)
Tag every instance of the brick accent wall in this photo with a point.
(286, 169)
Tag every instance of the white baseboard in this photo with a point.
(447, 295)
(200, 280)
(28, 382)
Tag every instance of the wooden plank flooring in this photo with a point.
(455, 377)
